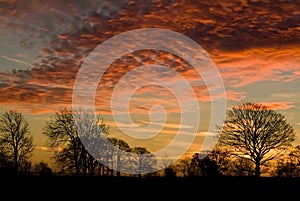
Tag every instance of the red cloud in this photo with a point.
(248, 41)
(278, 105)
(260, 64)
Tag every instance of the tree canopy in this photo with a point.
(16, 140)
(254, 130)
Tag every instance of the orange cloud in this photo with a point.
(260, 64)
(236, 96)
(249, 42)
(278, 105)
(48, 149)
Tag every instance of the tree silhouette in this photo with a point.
(63, 140)
(166, 164)
(194, 165)
(254, 130)
(184, 166)
(170, 172)
(241, 167)
(289, 165)
(222, 158)
(143, 160)
(16, 140)
(205, 165)
(92, 132)
(66, 132)
(42, 169)
(119, 146)
(6, 166)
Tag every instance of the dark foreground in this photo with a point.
(243, 188)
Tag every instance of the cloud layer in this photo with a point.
(249, 41)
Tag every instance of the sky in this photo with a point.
(159, 72)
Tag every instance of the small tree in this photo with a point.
(254, 130)
(184, 166)
(15, 139)
(143, 160)
(42, 169)
(206, 166)
(120, 146)
(166, 164)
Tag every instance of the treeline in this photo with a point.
(254, 140)
(81, 145)
(79, 142)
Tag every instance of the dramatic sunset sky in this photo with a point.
(254, 44)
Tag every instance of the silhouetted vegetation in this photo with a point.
(253, 136)
(120, 146)
(16, 142)
(288, 165)
(42, 169)
(256, 133)
(65, 137)
(81, 146)
(183, 166)
(143, 160)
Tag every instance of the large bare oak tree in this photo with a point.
(255, 131)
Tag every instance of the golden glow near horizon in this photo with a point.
(253, 44)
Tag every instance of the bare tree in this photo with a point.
(120, 147)
(15, 139)
(165, 161)
(256, 132)
(92, 132)
(68, 135)
(63, 140)
(241, 167)
(143, 160)
(166, 164)
(288, 165)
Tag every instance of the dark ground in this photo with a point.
(98, 188)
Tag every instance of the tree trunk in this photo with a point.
(16, 163)
(118, 165)
(257, 168)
